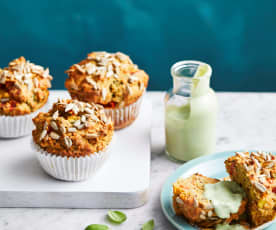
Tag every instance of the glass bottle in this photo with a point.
(190, 112)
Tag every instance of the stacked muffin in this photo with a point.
(23, 92)
(112, 80)
(72, 139)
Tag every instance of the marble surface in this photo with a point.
(246, 121)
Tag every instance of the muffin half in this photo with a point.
(23, 92)
(112, 80)
(72, 140)
(189, 200)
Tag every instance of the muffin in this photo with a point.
(72, 140)
(23, 92)
(111, 80)
(256, 173)
(189, 201)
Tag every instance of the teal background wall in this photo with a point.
(236, 37)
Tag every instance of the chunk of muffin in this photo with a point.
(256, 173)
(73, 129)
(23, 87)
(190, 202)
(109, 79)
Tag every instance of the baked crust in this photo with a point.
(256, 173)
(190, 202)
(23, 87)
(73, 129)
(109, 79)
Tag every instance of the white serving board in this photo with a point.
(122, 182)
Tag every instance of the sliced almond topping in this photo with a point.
(90, 111)
(54, 125)
(202, 217)
(54, 135)
(62, 129)
(69, 107)
(72, 130)
(79, 68)
(260, 186)
(55, 115)
(210, 213)
(4, 99)
(67, 141)
(43, 134)
(195, 203)
(83, 118)
(179, 201)
(90, 68)
(104, 93)
(77, 123)
(270, 164)
(91, 135)
(91, 82)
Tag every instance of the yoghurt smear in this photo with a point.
(226, 197)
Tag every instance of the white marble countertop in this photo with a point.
(246, 121)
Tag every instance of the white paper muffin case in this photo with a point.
(71, 168)
(123, 117)
(18, 126)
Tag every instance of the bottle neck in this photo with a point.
(186, 81)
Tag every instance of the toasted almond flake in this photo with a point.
(202, 217)
(67, 141)
(257, 163)
(210, 213)
(83, 118)
(91, 135)
(75, 109)
(270, 164)
(17, 85)
(268, 157)
(43, 134)
(54, 125)
(91, 82)
(116, 75)
(109, 74)
(90, 111)
(246, 166)
(45, 73)
(132, 79)
(262, 179)
(90, 68)
(260, 186)
(62, 128)
(80, 126)
(69, 107)
(45, 125)
(179, 201)
(71, 129)
(54, 135)
(104, 93)
(79, 68)
(86, 124)
(241, 154)
(55, 115)
(4, 99)
(77, 123)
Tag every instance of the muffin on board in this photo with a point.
(72, 140)
(189, 201)
(23, 92)
(256, 173)
(112, 80)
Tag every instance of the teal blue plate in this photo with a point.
(211, 166)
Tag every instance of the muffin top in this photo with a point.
(73, 129)
(109, 79)
(23, 87)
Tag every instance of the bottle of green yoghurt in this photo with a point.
(190, 112)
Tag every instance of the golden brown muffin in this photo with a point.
(73, 129)
(109, 79)
(190, 202)
(23, 87)
(256, 173)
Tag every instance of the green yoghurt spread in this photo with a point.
(226, 197)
